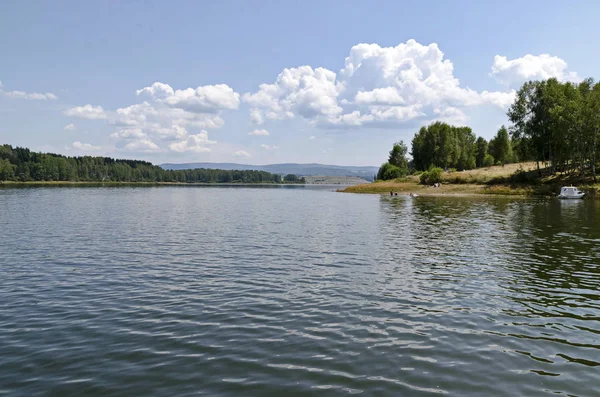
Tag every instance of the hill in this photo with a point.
(366, 172)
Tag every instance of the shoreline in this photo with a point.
(114, 183)
(458, 190)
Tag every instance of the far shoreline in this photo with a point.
(114, 183)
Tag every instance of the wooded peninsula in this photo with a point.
(553, 138)
(22, 165)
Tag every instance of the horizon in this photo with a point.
(247, 84)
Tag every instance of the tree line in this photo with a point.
(444, 146)
(23, 165)
(554, 123)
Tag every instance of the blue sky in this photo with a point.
(189, 81)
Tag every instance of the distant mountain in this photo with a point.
(366, 172)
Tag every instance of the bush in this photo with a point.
(389, 171)
(434, 175)
(488, 160)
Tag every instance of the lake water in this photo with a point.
(181, 291)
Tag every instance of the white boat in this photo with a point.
(570, 192)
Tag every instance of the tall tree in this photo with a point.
(445, 146)
(398, 155)
(500, 146)
(482, 151)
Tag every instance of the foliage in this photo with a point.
(291, 178)
(488, 160)
(21, 164)
(445, 146)
(499, 146)
(433, 175)
(558, 123)
(398, 156)
(482, 151)
(389, 171)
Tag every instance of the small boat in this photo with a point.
(570, 192)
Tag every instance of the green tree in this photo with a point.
(488, 160)
(398, 155)
(291, 178)
(389, 171)
(500, 146)
(482, 151)
(445, 146)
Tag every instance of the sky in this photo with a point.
(261, 82)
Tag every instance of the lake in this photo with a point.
(181, 291)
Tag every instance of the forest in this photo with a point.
(556, 124)
(23, 165)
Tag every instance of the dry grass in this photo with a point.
(414, 187)
(465, 182)
(485, 175)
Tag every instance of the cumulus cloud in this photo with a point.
(194, 143)
(70, 127)
(377, 85)
(84, 146)
(241, 153)
(168, 118)
(515, 72)
(204, 99)
(259, 133)
(142, 145)
(302, 91)
(87, 112)
(24, 95)
(269, 147)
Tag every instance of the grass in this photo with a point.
(521, 179)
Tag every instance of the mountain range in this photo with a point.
(366, 172)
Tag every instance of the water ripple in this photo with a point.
(169, 291)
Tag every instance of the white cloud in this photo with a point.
(170, 119)
(377, 85)
(302, 91)
(24, 95)
(259, 133)
(241, 153)
(312, 137)
(157, 90)
(87, 112)
(379, 96)
(84, 146)
(269, 147)
(204, 99)
(128, 133)
(514, 72)
(450, 115)
(70, 127)
(256, 116)
(501, 99)
(142, 145)
(194, 143)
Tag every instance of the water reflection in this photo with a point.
(531, 268)
(181, 291)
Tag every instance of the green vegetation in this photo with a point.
(22, 165)
(434, 175)
(555, 124)
(397, 164)
(444, 146)
(559, 124)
